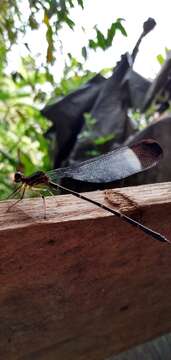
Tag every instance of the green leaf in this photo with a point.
(33, 23)
(69, 22)
(8, 156)
(80, 2)
(89, 121)
(111, 34)
(101, 39)
(70, 3)
(63, 5)
(103, 42)
(84, 52)
(121, 28)
(4, 95)
(160, 59)
(101, 140)
(92, 44)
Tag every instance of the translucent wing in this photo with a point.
(115, 165)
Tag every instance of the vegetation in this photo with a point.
(22, 93)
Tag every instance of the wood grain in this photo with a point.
(82, 284)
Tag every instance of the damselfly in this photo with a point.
(115, 165)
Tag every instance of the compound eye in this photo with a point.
(18, 177)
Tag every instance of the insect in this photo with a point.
(115, 165)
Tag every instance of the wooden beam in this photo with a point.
(82, 284)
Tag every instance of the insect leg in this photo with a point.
(44, 201)
(14, 192)
(44, 206)
(22, 195)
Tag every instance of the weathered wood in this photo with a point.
(82, 284)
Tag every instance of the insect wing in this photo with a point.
(115, 165)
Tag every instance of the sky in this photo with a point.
(103, 13)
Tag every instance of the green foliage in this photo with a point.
(105, 42)
(53, 13)
(141, 120)
(90, 121)
(161, 58)
(22, 93)
(74, 76)
(8, 31)
(22, 144)
(102, 140)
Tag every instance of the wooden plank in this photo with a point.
(82, 284)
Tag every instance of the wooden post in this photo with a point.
(82, 284)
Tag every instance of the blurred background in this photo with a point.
(79, 78)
